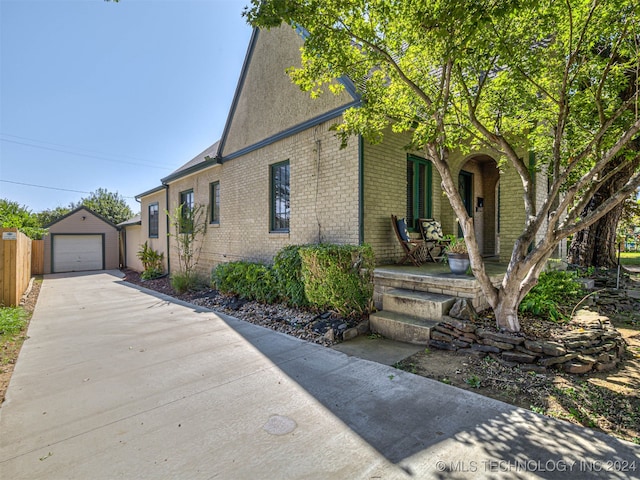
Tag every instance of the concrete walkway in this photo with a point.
(118, 382)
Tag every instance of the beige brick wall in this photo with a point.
(384, 174)
(324, 198)
(159, 244)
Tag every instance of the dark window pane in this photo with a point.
(280, 197)
(153, 220)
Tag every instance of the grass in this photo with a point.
(12, 320)
(630, 258)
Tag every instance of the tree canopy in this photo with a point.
(109, 205)
(557, 79)
(13, 215)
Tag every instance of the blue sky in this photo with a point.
(96, 94)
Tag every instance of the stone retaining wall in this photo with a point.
(590, 343)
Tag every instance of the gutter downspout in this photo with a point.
(360, 190)
(166, 199)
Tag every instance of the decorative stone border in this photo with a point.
(591, 343)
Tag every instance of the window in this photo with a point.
(153, 220)
(215, 202)
(418, 189)
(280, 197)
(186, 202)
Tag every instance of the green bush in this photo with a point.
(151, 261)
(12, 319)
(553, 296)
(253, 281)
(187, 282)
(323, 276)
(287, 267)
(338, 277)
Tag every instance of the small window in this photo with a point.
(215, 202)
(186, 201)
(153, 220)
(280, 197)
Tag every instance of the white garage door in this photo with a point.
(76, 253)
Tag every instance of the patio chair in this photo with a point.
(435, 243)
(413, 248)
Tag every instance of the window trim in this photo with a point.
(157, 220)
(428, 191)
(214, 202)
(181, 201)
(272, 197)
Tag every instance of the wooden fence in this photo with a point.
(37, 257)
(15, 263)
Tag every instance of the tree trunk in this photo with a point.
(507, 313)
(596, 245)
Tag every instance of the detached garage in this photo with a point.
(81, 241)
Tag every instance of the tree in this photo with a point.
(596, 245)
(12, 215)
(47, 217)
(190, 225)
(553, 78)
(111, 206)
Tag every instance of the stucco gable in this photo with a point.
(267, 104)
(69, 218)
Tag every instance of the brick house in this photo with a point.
(278, 176)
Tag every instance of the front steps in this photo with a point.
(409, 315)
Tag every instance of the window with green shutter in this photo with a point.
(419, 191)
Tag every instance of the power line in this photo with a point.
(83, 154)
(75, 148)
(50, 188)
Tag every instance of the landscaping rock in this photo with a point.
(500, 337)
(518, 357)
(463, 309)
(461, 325)
(554, 349)
(577, 367)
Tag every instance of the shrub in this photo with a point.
(253, 281)
(151, 261)
(554, 290)
(187, 282)
(287, 268)
(324, 276)
(338, 277)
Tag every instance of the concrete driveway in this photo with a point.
(119, 382)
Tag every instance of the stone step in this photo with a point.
(432, 306)
(401, 327)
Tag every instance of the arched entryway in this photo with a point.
(478, 185)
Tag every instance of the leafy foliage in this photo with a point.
(49, 216)
(554, 295)
(109, 205)
(151, 261)
(12, 319)
(339, 277)
(556, 79)
(189, 225)
(321, 276)
(253, 281)
(183, 282)
(287, 268)
(12, 215)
